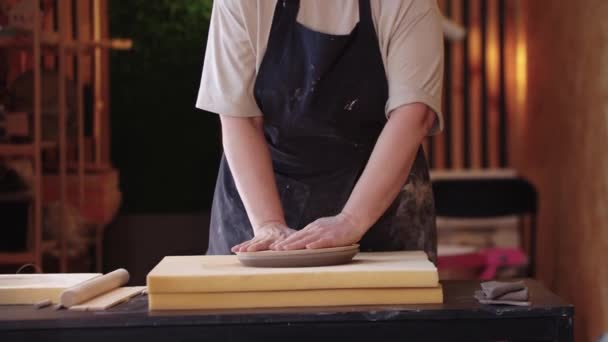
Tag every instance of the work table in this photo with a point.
(459, 318)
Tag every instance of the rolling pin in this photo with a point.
(92, 288)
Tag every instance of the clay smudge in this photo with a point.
(349, 106)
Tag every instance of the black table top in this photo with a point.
(458, 303)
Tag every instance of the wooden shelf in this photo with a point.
(17, 258)
(474, 173)
(69, 37)
(51, 40)
(48, 245)
(16, 197)
(23, 150)
(25, 257)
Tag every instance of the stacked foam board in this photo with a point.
(221, 282)
(34, 288)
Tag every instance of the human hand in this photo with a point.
(265, 235)
(335, 231)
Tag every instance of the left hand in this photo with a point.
(335, 231)
(264, 236)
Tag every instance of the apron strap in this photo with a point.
(365, 14)
(286, 11)
(292, 8)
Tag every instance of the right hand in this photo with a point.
(264, 236)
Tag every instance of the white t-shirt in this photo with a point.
(410, 40)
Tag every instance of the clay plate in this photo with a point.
(299, 258)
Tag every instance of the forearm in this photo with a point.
(389, 164)
(249, 159)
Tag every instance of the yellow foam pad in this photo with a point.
(34, 288)
(298, 298)
(194, 274)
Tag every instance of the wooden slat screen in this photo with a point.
(475, 91)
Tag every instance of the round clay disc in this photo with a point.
(300, 257)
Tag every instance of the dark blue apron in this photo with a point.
(323, 98)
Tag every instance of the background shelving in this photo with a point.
(70, 39)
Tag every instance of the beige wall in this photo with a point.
(563, 149)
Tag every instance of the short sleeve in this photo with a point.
(415, 60)
(229, 66)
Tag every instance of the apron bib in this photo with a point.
(323, 98)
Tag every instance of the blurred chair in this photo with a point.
(483, 198)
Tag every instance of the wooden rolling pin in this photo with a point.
(92, 288)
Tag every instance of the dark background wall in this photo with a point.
(562, 149)
(167, 151)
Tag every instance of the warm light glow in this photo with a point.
(493, 64)
(492, 51)
(23, 60)
(475, 48)
(98, 104)
(521, 72)
(521, 61)
(493, 58)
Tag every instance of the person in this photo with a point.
(323, 106)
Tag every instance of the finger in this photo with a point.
(301, 243)
(291, 239)
(288, 239)
(253, 242)
(294, 242)
(259, 245)
(281, 238)
(295, 236)
(324, 242)
(237, 248)
(276, 242)
(242, 247)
